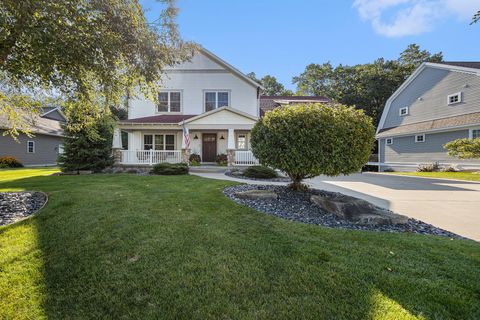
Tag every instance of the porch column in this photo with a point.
(186, 146)
(231, 147)
(117, 146)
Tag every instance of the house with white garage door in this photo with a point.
(216, 104)
(438, 103)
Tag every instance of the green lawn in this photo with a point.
(141, 247)
(470, 176)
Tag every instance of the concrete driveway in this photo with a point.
(449, 204)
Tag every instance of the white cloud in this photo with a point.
(412, 17)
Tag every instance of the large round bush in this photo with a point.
(308, 140)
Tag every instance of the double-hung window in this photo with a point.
(159, 142)
(30, 146)
(242, 141)
(169, 101)
(216, 99)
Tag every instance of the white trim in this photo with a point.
(403, 114)
(470, 132)
(168, 91)
(420, 135)
(28, 146)
(459, 94)
(413, 76)
(445, 129)
(387, 143)
(206, 114)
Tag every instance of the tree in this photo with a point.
(312, 139)
(271, 86)
(87, 146)
(91, 51)
(464, 148)
(476, 17)
(368, 86)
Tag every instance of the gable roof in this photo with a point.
(36, 124)
(450, 66)
(206, 114)
(50, 111)
(229, 67)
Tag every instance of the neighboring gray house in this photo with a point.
(438, 103)
(43, 148)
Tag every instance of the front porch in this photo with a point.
(224, 131)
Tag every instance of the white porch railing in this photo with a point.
(245, 158)
(149, 157)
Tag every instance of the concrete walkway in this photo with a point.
(449, 204)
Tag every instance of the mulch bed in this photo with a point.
(15, 206)
(296, 206)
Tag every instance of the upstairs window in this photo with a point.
(419, 138)
(403, 111)
(216, 99)
(169, 101)
(389, 141)
(454, 98)
(30, 146)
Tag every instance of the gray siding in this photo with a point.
(55, 115)
(46, 149)
(406, 150)
(433, 86)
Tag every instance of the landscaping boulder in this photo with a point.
(357, 210)
(257, 195)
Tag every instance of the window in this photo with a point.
(60, 149)
(454, 98)
(169, 101)
(403, 111)
(389, 141)
(242, 141)
(475, 134)
(216, 99)
(159, 142)
(30, 146)
(419, 138)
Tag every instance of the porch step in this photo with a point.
(208, 169)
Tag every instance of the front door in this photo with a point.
(209, 147)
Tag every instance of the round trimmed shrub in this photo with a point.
(170, 169)
(308, 140)
(260, 172)
(10, 162)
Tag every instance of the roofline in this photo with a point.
(35, 132)
(55, 109)
(206, 114)
(444, 129)
(230, 67)
(412, 77)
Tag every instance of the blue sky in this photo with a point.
(281, 37)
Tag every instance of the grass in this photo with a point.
(469, 176)
(173, 247)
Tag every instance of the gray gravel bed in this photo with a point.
(15, 206)
(296, 206)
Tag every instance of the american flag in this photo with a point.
(186, 136)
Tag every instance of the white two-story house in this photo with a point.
(216, 103)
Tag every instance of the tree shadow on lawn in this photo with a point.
(118, 246)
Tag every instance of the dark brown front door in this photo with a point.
(209, 147)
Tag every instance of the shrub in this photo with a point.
(170, 169)
(308, 140)
(451, 168)
(10, 162)
(194, 159)
(464, 148)
(428, 167)
(221, 159)
(389, 170)
(260, 172)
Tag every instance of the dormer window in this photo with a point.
(169, 101)
(454, 98)
(403, 111)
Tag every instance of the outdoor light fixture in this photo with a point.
(196, 137)
(221, 137)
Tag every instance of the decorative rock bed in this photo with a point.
(15, 206)
(280, 201)
(235, 173)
